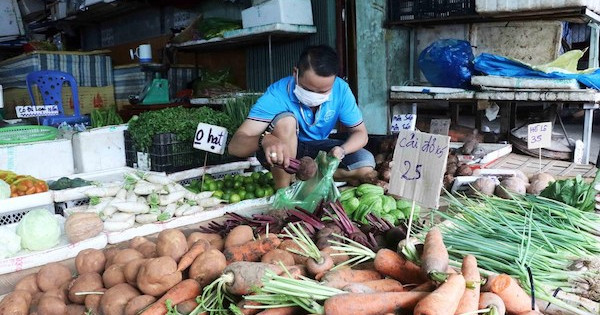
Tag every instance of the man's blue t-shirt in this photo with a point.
(280, 98)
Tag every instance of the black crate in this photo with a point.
(423, 10)
(167, 154)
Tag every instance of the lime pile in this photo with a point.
(235, 188)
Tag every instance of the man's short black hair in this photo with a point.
(322, 59)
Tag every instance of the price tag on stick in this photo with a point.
(210, 138)
(419, 166)
(36, 111)
(440, 127)
(539, 136)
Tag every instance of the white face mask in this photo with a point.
(308, 98)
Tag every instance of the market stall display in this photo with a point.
(22, 185)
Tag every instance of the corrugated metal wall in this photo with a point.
(285, 52)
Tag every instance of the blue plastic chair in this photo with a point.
(50, 84)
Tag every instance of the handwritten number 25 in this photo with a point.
(416, 172)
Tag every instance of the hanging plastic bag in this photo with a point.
(308, 194)
(447, 63)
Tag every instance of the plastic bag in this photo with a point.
(308, 194)
(448, 63)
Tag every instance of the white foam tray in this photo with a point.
(26, 202)
(26, 259)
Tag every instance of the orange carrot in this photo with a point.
(188, 258)
(288, 310)
(487, 287)
(251, 251)
(469, 302)
(491, 300)
(342, 277)
(385, 285)
(515, 298)
(319, 267)
(187, 306)
(428, 286)
(248, 311)
(530, 312)
(372, 303)
(184, 290)
(434, 260)
(444, 300)
(391, 264)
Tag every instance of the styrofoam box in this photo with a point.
(499, 6)
(26, 259)
(297, 12)
(99, 149)
(44, 159)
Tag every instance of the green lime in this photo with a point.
(237, 185)
(248, 180)
(269, 175)
(205, 186)
(234, 198)
(249, 195)
(217, 194)
(220, 185)
(242, 194)
(228, 177)
(209, 178)
(228, 191)
(250, 188)
(212, 186)
(238, 177)
(255, 175)
(269, 191)
(259, 192)
(228, 184)
(226, 196)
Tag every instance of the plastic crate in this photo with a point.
(167, 154)
(423, 10)
(63, 207)
(14, 216)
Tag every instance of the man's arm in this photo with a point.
(357, 140)
(245, 140)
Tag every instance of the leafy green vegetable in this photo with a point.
(573, 192)
(105, 117)
(238, 108)
(215, 27)
(39, 230)
(178, 120)
(4, 190)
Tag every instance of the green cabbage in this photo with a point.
(10, 243)
(4, 190)
(39, 230)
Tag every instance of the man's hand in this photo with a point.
(276, 152)
(338, 152)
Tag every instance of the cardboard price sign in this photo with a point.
(210, 138)
(36, 111)
(419, 165)
(403, 122)
(539, 135)
(440, 126)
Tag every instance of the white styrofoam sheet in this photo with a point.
(297, 12)
(99, 149)
(504, 6)
(492, 81)
(26, 202)
(64, 250)
(493, 151)
(213, 169)
(44, 159)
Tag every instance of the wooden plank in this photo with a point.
(530, 165)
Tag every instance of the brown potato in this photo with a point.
(115, 299)
(29, 284)
(208, 266)
(90, 260)
(110, 253)
(92, 301)
(138, 303)
(52, 276)
(126, 255)
(50, 305)
(276, 255)
(239, 235)
(158, 275)
(131, 270)
(35, 300)
(148, 249)
(215, 240)
(113, 275)
(87, 282)
(171, 243)
(75, 309)
(61, 292)
(16, 303)
(137, 241)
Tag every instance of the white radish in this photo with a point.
(171, 198)
(181, 209)
(158, 179)
(143, 188)
(141, 200)
(120, 217)
(121, 194)
(170, 209)
(146, 218)
(131, 196)
(97, 208)
(108, 211)
(199, 196)
(209, 202)
(193, 210)
(107, 191)
(132, 207)
(115, 226)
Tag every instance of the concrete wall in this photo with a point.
(382, 61)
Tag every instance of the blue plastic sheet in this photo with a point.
(501, 66)
(447, 63)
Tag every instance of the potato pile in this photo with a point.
(513, 185)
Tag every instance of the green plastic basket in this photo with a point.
(25, 134)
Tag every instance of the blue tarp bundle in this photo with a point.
(501, 66)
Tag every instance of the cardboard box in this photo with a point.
(90, 98)
(297, 12)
